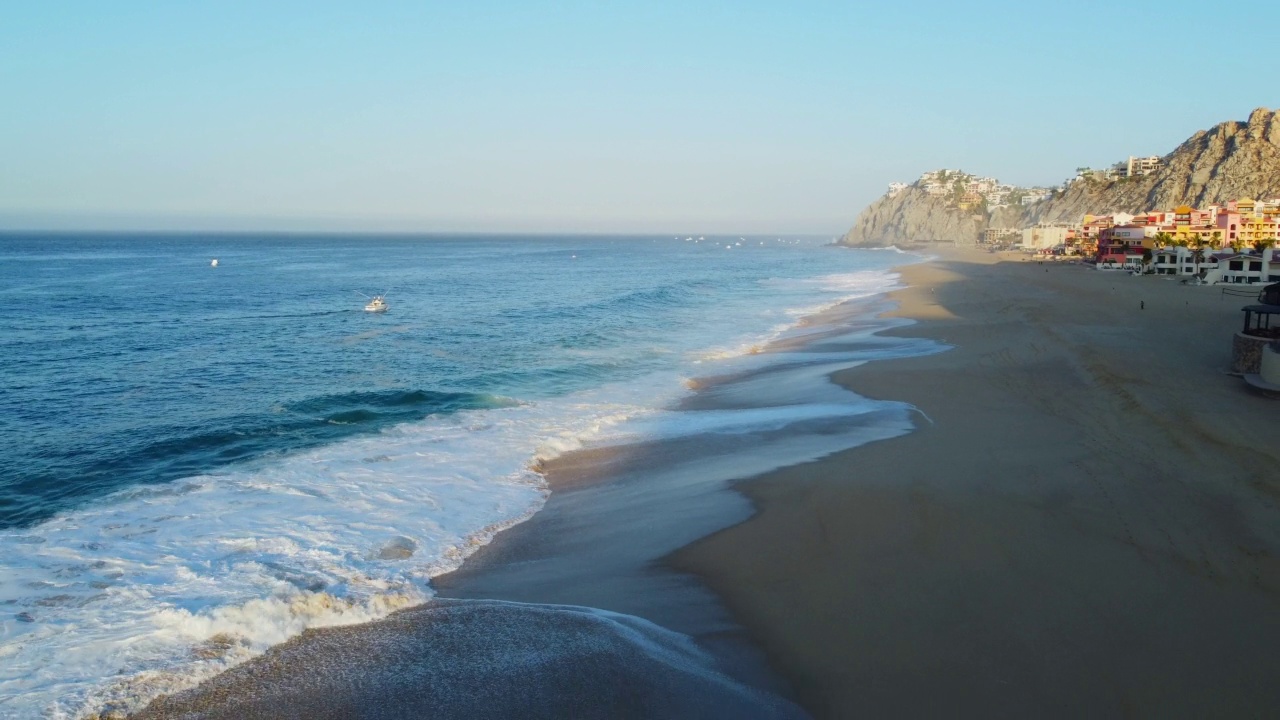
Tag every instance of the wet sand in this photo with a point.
(1088, 526)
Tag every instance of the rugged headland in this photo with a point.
(1229, 161)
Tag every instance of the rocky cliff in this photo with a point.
(1230, 161)
(913, 216)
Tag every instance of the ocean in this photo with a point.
(199, 462)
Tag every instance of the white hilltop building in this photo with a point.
(972, 189)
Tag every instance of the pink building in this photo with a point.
(1228, 221)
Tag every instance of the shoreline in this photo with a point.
(825, 583)
(1070, 533)
(615, 512)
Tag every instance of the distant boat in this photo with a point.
(214, 263)
(376, 304)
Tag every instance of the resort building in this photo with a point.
(1179, 260)
(1001, 236)
(969, 200)
(1044, 237)
(1232, 242)
(1255, 229)
(1228, 221)
(1034, 195)
(1139, 166)
(1247, 267)
(1208, 235)
(1185, 215)
(1124, 245)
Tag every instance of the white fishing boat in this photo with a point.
(377, 303)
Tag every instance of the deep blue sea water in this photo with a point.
(191, 452)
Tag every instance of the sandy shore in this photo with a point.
(1085, 523)
(1088, 526)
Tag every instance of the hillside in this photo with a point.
(1231, 160)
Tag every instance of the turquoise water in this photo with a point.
(190, 452)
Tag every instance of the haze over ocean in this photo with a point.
(567, 116)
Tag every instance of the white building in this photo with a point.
(1043, 237)
(997, 198)
(1229, 268)
(1247, 268)
(1178, 260)
(1139, 166)
(895, 188)
(1034, 195)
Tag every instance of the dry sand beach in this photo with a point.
(1088, 526)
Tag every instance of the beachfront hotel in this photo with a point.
(1233, 242)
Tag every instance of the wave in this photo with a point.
(334, 510)
(845, 287)
(180, 451)
(143, 582)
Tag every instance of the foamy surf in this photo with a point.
(155, 588)
(835, 288)
(164, 585)
(160, 587)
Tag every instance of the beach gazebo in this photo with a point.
(1261, 321)
(1261, 328)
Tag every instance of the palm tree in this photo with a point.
(1162, 239)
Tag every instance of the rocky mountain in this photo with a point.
(1230, 161)
(913, 216)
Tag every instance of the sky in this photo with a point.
(684, 117)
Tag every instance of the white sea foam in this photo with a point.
(256, 555)
(834, 289)
(889, 248)
(156, 588)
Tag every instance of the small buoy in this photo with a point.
(214, 263)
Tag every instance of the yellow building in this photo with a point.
(1206, 236)
(1254, 229)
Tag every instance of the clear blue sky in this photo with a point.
(587, 116)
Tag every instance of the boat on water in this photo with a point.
(377, 303)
